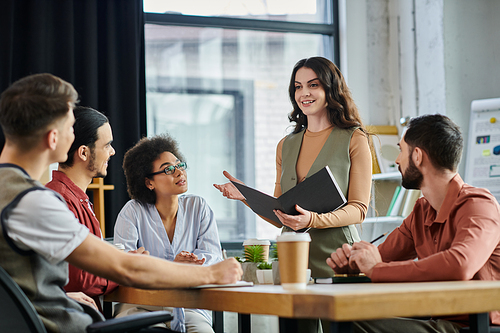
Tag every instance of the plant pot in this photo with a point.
(276, 272)
(249, 272)
(265, 276)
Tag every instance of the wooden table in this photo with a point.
(340, 303)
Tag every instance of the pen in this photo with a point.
(376, 239)
(224, 254)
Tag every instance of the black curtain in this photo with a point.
(98, 46)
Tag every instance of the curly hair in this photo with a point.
(138, 164)
(342, 111)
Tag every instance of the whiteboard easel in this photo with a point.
(482, 168)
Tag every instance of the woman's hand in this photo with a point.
(82, 298)
(229, 190)
(295, 222)
(188, 258)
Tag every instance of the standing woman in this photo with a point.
(169, 225)
(328, 131)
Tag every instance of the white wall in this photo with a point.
(472, 57)
(412, 57)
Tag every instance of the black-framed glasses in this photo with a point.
(170, 169)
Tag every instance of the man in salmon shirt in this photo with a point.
(87, 158)
(452, 230)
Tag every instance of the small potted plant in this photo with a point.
(254, 254)
(264, 273)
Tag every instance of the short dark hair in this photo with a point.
(31, 104)
(439, 137)
(87, 122)
(342, 111)
(138, 164)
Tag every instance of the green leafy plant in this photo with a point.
(254, 253)
(238, 259)
(265, 265)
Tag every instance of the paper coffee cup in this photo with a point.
(265, 243)
(293, 256)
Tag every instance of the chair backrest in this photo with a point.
(17, 314)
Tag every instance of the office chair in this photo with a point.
(17, 314)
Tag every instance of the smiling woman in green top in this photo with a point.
(328, 131)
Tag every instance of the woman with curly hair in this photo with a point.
(328, 131)
(169, 225)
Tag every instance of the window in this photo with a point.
(311, 11)
(217, 81)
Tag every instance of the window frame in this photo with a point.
(331, 30)
(326, 30)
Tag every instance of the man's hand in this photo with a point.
(82, 298)
(295, 222)
(229, 190)
(339, 261)
(365, 256)
(188, 258)
(140, 250)
(227, 271)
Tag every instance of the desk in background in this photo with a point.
(340, 303)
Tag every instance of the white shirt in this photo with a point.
(43, 223)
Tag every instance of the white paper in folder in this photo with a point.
(482, 168)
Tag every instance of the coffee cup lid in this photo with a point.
(120, 246)
(255, 241)
(294, 237)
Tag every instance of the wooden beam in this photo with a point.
(98, 187)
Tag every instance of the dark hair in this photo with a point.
(31, 104)
(342, 111)
(87, 122)
(138, 164)
(439, 137)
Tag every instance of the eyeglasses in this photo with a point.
(171, 169)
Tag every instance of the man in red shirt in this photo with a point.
(87, 158)
(452, 230)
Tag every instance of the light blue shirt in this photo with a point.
(195, 231)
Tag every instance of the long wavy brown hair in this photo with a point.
(341, 109)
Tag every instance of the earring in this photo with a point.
(151, 188)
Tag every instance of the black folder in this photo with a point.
(318, 193)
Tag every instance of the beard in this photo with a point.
(92, 167)
(412, 177)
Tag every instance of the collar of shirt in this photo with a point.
(450, 199)
(66, 181)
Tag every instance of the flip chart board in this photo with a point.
(482, 168)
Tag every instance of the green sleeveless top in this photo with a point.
(335, 154)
